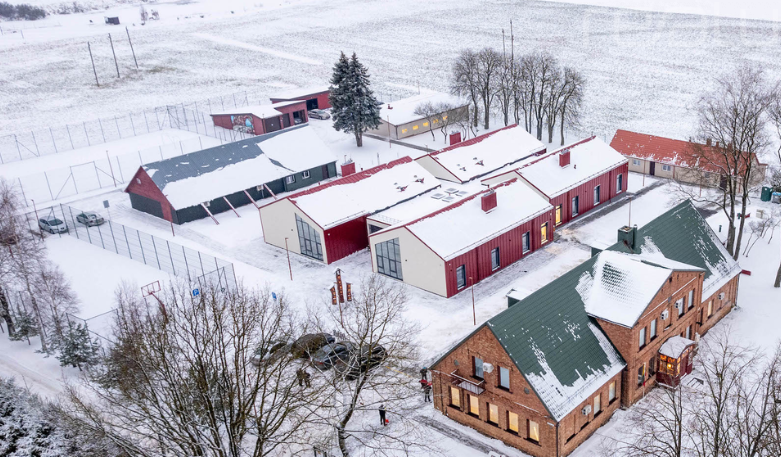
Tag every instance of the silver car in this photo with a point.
(89, 219)
(53, 225)
(319, 114)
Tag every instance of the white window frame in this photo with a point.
(641, 338)
(653, 329)
(597, 195)
(611, 392)
(290, 179)
(597, 404)
(666, 167)
(691, 299)
(305, 174)
(503, 370)
(635, 161)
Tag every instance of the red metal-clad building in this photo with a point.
(315, 97)
(575, 179)
(328, 222)
(260, 119)
(465, 242)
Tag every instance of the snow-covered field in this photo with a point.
(763, 10)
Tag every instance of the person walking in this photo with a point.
(307, 379)
(424, 373)
(300, 375)
(382, 415)
(427, 392)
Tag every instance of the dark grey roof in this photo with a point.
(208, 160)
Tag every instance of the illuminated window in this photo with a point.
(534, 430)
(512, 422)
(611, 392)
(710, 308)
(474, 405)
(544, 233)
(455, 397)
(558, 215)
(435, 121)
(597, 404)
(414, 127)
(493, 414)
(403, 130)
(444, 118)
(425, 124)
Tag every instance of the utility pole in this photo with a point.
(115, 54)
(289, 267)
(93, 64)
(131, 47)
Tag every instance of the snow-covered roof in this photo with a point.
(299, 92)
(259, 111)
(674, 346)
(403, 111)
(365, 192)
(619, 287)
(464, 225)
(487, 153)
(588, 159)
(202, 176)
(428, 203)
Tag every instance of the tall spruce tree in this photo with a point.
(353, 105)
(77, 348)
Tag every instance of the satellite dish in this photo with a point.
(487, 367)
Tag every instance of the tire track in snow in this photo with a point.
(252, 47)
(29, 377)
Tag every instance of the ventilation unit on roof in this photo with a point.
(437, 196)
(448, 199)
(461, 193)
(451, 190)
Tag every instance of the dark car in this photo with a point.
(309, 344)
(269, 352)
(319, 114)
(330, 354)
(89, 219)
(366, 359)
(53, 225)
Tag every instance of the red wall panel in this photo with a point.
(142, 184)
(477, 261)
(346, 239)
(585, 193)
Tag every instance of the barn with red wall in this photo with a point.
(315, 97)
(260, 119)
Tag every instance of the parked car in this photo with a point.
(332, 353)
(53, 225)
(367, 359)
(319, 114)
(273, 351)
(309, 344)
(89, 219)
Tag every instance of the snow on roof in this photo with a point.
(259, 111)
(560, 398)
(260, 160)
(365, 193)
(588, 159)
(620, 286)
(299, 92)
(403, 111)
(427, 203)
(484, 154)
(674, 346)
(463, 225)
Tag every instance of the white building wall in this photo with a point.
(279, 222)
(420, 266)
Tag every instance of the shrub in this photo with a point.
(23, 11)
(7, 10)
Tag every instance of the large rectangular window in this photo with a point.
(461, 277)
(495, 261)
(389, 258)
(642, 338)
(478, 364)
(596, 196)
(534, 431)
(558, 214)
(526, 241)
(641, 375)
(679, 305)
(575, 206)
(619, 183)
(512, 422)
(710, 308)
(691, 299)
(611, 392)
(474, 405)
(309, 240)
(544, 233)
(653, 329)
(504, 377)
(597, 404)
(455, 397)
(493, 414)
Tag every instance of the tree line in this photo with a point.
(533, 90)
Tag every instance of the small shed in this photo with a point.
(260, 119)
(315, 97)
(111, 20)
(675, 360)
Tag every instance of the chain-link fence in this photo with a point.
(55, 139)
(198, 268)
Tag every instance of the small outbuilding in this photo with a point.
(203, 183)
(398, 119)
(329, 221)
(315, 97)
(484, 154)
(260, 119)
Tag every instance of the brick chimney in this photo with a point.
(564, 158)
(348, 168)
(455, 138)
(488, 201)
(708, 142)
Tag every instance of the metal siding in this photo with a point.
(346, 239)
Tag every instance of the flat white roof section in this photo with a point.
(427, 203)
(463, 226)
(588, 159)
(487, 153)
(259, 111)
(403, 111)
(365, 192)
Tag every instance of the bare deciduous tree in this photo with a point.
(490, 64)
(465, 79)
(572, 99)
(430, 112)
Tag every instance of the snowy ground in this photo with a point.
(763, 10)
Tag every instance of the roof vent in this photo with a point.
(627, 235)
(708, 142)
(564, 158)
(488, 201)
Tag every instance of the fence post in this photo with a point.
(86, 133)
(101, 237)
(16, 140)
(170, 256)
(119, 165)
(157, 118)
(201, 261)
(132, 124)
(89, 237)
(181, 148)
(36, 143)
(235, 105)
(116, 122)
(186, 265)
(47, 184)
(143, 256)
(21, 187)
(222, 103)
(219, 280)
(69, 135)
(129, 252)
(146, 122)
(200, 143)
(75, 227)
(53, 142)
(101, 130)
(156, 256)
(111, 229)
(184, 113)
(97, 175)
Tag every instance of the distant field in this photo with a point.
(644, 69)
(764, 10)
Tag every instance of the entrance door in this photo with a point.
(285, 120)
(558, 215)
(325, 172)
(652, 169)
(271, 124)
